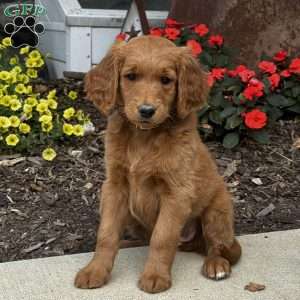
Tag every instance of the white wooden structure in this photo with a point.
(77, 38)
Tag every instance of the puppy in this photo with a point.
(160, 178)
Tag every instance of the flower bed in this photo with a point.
(30, 119)
(242, 102)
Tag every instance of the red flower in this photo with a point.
(172, 23)
(195, 46)
(255, 119)
(246, 75)
(156, 31)
(121, 36)
(267, 67)
(216, 40)
(285, 73)
(201, 29)
(274, 80)
(172, 33)
(280, 56)
(295, 66)
(254, 89)
(218, 73)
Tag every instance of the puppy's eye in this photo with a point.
(131, 76)
(165, 80)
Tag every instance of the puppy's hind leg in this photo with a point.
(223, 250)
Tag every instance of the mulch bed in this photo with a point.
(49, 209)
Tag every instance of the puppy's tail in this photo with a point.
(233, 253)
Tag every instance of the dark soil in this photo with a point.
(49, 209)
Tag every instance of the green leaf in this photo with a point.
(206, 59)
(295, 108)
(278, 100)
(261, 136)
(221, 60)
(227, 112)
(288, 84)
(215, 100)
(231, 140)
(215, 117)
(296, 91)
(203, 111)
(233, 122)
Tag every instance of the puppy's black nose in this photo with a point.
(146, 111)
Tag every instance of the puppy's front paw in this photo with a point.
(154, 283)
(92, 277)
(216, 268)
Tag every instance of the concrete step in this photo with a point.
(272, 259)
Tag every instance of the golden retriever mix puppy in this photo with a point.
(161, 178)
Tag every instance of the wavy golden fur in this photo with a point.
(161, 180)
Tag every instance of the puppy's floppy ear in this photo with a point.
(102, 82)
(192, 84)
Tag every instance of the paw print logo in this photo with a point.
(24, 31)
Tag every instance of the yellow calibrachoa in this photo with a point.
(45, 118)
(39, 62)
(21, 88)
(68, 129)
(4, 122)
(14, 121)
(72, 95)
(6, 42)
(42, 107)
(52, 94)
(35, 54)
(15, 104)
(5, 100)
(24, 128)
(78, 130)
(69, 113)
(32, 73)
(4, 75)
(13, 61)
(12, 140)
(32, 101)
(49, 154)
(80, 115)
(47, 127)
(27, 108)
(23, 78)
(52, 104)
(24, 50)
(17, 69)
(30, 63)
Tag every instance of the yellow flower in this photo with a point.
(6, 41)
(14, 121)
(5, 100)
(45, 119)
(78, 130)
(27, 108)
(35, 54)
(31, 101)
(23, 78)
(80, 115)
(4, 75)
(24, 128)
(72, 95)
(17, 69)
(15, 104)
(52, 94)
(13, 61)
(21, 88)
(29, 89)
(30, 63)
(24, 50)
(47, 127)
(32, 73)
(4, 122)
(39, 62)
(68, 129)
(49, 154)
(42, 107)
(52, 104)
(12, 140)
(69, 113)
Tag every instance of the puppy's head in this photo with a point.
(148, 79)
